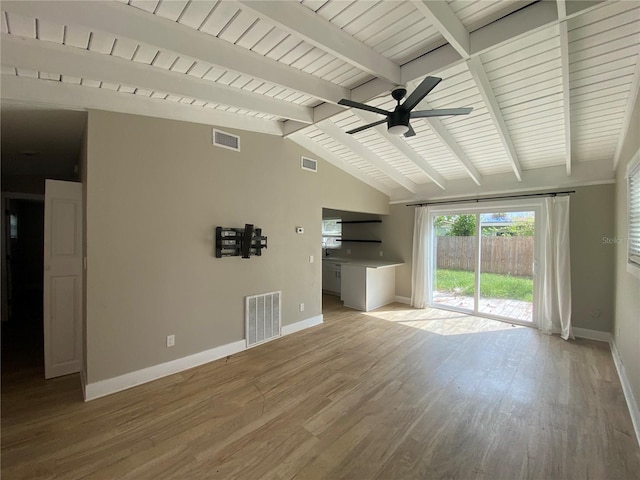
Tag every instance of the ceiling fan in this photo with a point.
(398, 120)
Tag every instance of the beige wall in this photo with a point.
(591, 259)
(156, 190)
(398, 241)
(626, 328)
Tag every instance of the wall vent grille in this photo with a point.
(262, 318)
(226, 140)
(309, 164)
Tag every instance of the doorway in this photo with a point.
(483, 262)
(22, 322)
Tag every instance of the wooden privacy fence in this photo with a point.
(504, 255)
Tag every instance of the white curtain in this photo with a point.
(420, 278)
(556, 270)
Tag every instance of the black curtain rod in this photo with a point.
(484, 199)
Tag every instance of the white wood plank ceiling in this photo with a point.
(551, 83)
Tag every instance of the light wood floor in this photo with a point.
(393, 394)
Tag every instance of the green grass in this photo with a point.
(492, 285)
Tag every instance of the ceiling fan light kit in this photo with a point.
(398, 120)
(398, 129)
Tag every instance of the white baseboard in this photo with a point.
(591, 334)
(302, 324)
(405, 300)
(128, 380)
(138, 377)
(634, 411)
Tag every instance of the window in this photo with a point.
(633, 179)
(331, 232)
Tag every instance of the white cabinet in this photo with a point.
(361, 284)
(331, 277)
(368, 288)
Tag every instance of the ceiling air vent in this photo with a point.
(309, 164)
(226, 140)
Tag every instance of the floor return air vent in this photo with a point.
(262, 318)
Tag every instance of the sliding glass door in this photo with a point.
(454, 283)
(506, 264)
(483, 262)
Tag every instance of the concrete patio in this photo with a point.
(500, 307)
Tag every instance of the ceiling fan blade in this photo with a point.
(362, 106)
(441, 112)
(410, 133)
(364, 127)
(421, 91)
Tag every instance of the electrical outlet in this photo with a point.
(302, 307)
(380, 252)
(310, 258)
(171, 340)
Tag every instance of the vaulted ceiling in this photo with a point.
(552, 83)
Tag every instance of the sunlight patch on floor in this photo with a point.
(441, 322)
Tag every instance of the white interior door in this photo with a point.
(62, 278)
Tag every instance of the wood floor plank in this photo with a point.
(396, 393)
